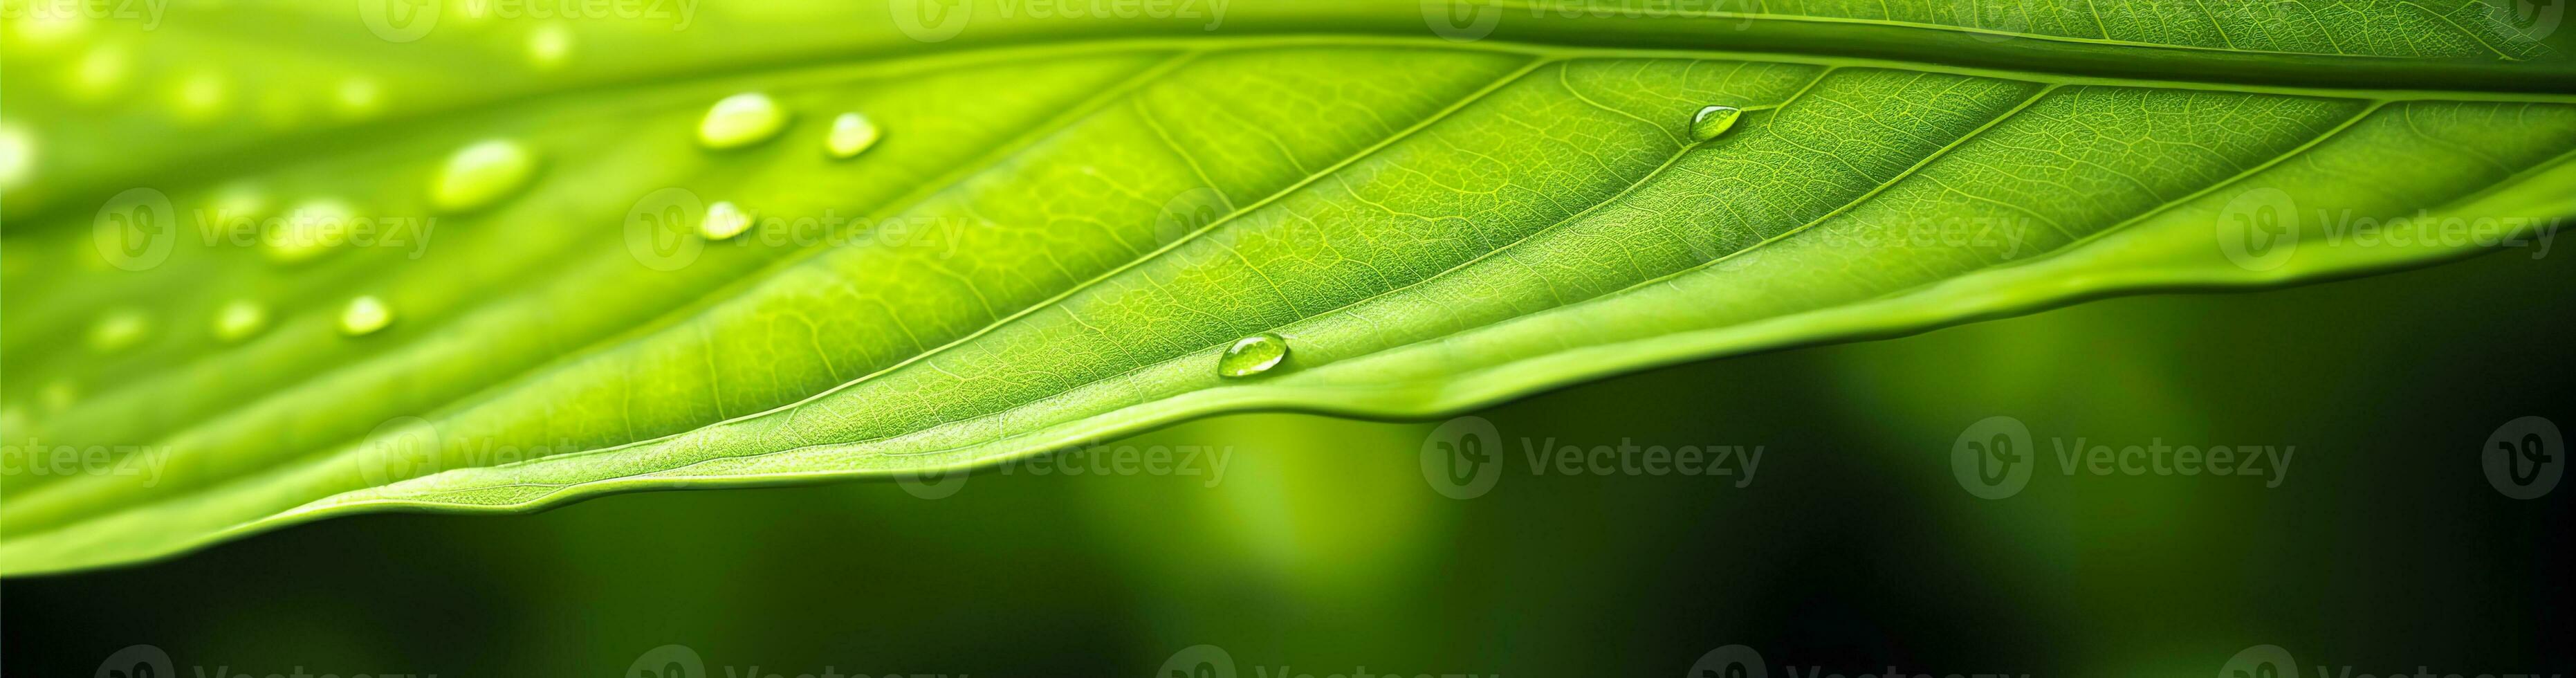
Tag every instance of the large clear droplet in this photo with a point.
(364, 315)
(309, 230)
(1713, 121)
(852, 134)
(724, 220)
(481, 174)
(741, 120)
(1252, 355)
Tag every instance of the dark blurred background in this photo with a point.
(1323, 550)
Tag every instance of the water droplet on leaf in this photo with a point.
(309, 230)
(481, 174)
(1713, 121)
(358, 97)
(724, 220)
(1252, 355)
(100, 71)
(852, 134)
(741, 120)
(548, 45)
(17, 155)
(119, 330)
(364, 315)
(240, 319)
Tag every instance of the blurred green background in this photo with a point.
(1323, 550)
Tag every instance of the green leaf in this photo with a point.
(1061, 230)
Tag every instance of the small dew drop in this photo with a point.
(364, 316)
(1713, 121)
(481, 174)
(100, 71)
(548, 45)
(852, 134)
(358, 97)
(202, 95)
(1252, 355)
(309, 230)
(17, 155)
(724, 220)
(240, 319)
(238, 200)
(119, 330)
(741, 120)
